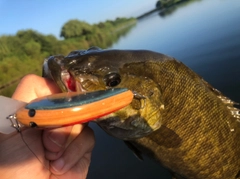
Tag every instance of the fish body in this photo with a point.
(175, 117)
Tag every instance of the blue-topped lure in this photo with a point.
(70, 108)
(66, 100)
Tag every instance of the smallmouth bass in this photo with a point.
(176, 117)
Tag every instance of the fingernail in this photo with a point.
(57, 165)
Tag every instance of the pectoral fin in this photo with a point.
(176, 176)
(134, 149)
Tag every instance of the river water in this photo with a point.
(203, 34)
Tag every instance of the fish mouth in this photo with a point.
(71, 83)
(65, 80)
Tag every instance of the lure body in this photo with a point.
(71, 108)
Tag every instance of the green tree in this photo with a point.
(31, 36)
(75, 28)
(27, 35)
(158, 4)
(166, 3)
(32, 48)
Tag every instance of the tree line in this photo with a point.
(24, 52)
(167, 3)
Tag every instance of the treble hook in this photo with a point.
(139, 97)
(15, 123)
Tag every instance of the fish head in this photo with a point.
(95, 69)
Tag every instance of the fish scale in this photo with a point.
(200, 104)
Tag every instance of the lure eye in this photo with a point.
(112, 79)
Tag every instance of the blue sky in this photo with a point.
(48, 16)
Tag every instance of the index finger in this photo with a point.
(32, 86)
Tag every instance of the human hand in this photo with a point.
(58, 153)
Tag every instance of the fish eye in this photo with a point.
(112, 79)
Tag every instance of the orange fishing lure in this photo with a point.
(71, 108)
